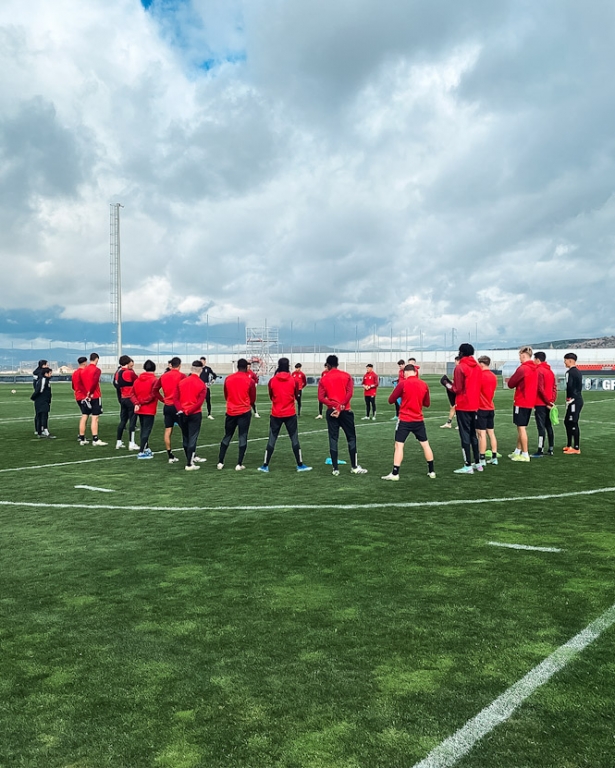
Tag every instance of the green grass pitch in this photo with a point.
(220, 619)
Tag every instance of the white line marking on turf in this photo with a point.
(523, 546)
(94, 488)
(451, 750)
(290, 505)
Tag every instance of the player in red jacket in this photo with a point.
(145, 398)
(79, 391)
(485, 420)
(466, 386)
(414, 395)
(546, 396)
(370, 388)
(240, 396)
(169, 384)
(301, 381)
(335, 391)
(283, 387)
(525, 383)
(191, 393)
(401, 364)
(123, 381)
(91, 405)
(255, 378)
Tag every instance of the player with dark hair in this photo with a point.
(145, 398)
(91, 405)
(321, 405)
(283, 388)
(414, 395)
(466, 386)
(123, 381)
(207, 377)
(525, 383)
(301, 381)
(169, 384)
(574, 403)
(546, 396)
(370, 385)
(240, 396)
(42, 402)
(485, 418)
(400, 377)
(255, 378)
(191, 392)
(79, 391)
(335, 391)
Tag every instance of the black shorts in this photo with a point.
(169, 413)
(93, 409)
(485, 420)
(521, 416)
(406, 428)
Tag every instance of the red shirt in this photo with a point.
(146, 393)
(466, 384)
(191, 394)
(300, 378)
(239, 392)
(371, 381)
(283, 388)
(335, 389)
(77, 385)
(414, 395)
(547, 385)
(488, 385)
(90, 378)
(525, 383)
(169, 382)
(125, 378)
(253, 375)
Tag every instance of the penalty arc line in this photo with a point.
(306, 507)
(452, 749)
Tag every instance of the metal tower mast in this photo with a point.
(116, 274)
(262, 348)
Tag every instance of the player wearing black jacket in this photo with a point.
(574, 403)
(207, 377)
(42, 403)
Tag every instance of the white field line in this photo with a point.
(451, 750)
(94, 488)
(301, 507)
(520, 546)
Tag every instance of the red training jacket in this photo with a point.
(283, 388)
(169, 382)
(146, 393)
(90, 378)
(191, 394)
(77, 385)
(547, 385)
(335, 390)
(466, 384)
(371, 381)
(300, 377)
(488, 385)
(239, 392)
(414, 395)
(525, 383)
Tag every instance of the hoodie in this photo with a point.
(547, 385)
(467, 383)
(283, 388)
(525, 383)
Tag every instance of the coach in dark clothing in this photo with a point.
(207, 377)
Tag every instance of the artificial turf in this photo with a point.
(216, 619)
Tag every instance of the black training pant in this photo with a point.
(571, 422)
(232, 423)
(298, 399)
(208, 401)
(466, 421)
(127, 416)
(190, 427)
(544, 426)
(275, 425)
(147, 424)
(370, 400)
(346, 421)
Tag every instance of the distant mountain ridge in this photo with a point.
(601, 342)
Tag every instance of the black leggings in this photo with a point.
(346, 421)
(147, 424)
(190, 427)
(275, 425)
(370, 400)
(127, 416)
(544, 426)
(232, 423)
(466, 421)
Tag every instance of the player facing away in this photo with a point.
(466, 386)
(451, 401)
(255, 377)
(145, 398)
(283, 388)
(301, 381)
(545, 400)
(574, 403)
(240, 396)
(485, 418)
(169, 385)
(207, 377)
(42, 402)
(123, 381)
(335, 391)
(79, 391)
(401, 364)
(321, 405)
(525, 383)
(414, 395)
(191, 393)
(370, 385)
(91, 405)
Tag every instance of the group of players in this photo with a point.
(471, 394)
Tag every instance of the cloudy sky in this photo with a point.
(344, 166)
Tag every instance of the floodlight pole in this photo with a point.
(116, 273)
